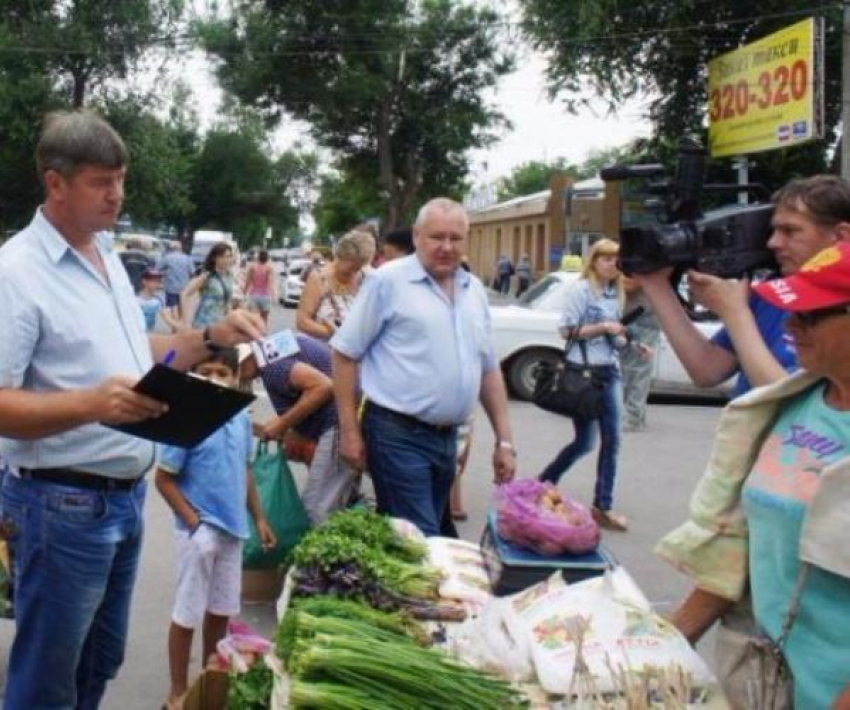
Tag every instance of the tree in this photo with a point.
(344, 201)
(86, 43)
(661, 47)
(159, 176)
(26, 98)
(636, 151)
(532, 176)
(54, 54)
(238, 187)
(395, 91)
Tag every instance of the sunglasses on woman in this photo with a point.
(809, 319)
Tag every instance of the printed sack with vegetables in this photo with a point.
(535, 515)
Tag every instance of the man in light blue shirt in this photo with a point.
(420, 329)
(177, 268)
(75, 347)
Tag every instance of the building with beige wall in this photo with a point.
(564, 219)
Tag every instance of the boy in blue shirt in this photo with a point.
(210, 488)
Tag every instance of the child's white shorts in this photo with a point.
(209, 575)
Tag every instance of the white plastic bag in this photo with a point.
(608, 622)
(493, 642)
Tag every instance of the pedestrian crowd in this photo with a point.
(392, 355)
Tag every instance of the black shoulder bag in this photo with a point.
(568, 388)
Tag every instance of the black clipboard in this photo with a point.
(196, 407)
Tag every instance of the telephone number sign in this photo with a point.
(767, 94)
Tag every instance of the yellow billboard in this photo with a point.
(767, 94)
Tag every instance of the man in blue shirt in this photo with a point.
(811, 214)
(420, 330)
(177, 269)
(75, 347)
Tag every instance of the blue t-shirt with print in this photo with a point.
(770, 321)
(807, 437)
(213, 475)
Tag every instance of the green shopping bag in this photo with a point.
(282, 505)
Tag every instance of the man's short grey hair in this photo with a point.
(439, 204)
(73, 139)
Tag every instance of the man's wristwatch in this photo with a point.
(208, 342)
(507, 445)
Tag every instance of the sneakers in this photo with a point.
(609, 520)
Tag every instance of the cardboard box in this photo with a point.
(208, 691)
(261, 586)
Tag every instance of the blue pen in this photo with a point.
(169, 357)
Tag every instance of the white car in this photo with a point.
(291, 284)
(526, 333)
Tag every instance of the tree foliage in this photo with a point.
(238, 186)
(82, 44)
(532, 176)
(58, 54)
(344, 201)
(26, 98)
(396, 91)
(619, 50)
(158, 186)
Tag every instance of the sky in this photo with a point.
(541, 129)
(545, 130)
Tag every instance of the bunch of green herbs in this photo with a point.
(251, 690)
(347, 664)
(364, 545)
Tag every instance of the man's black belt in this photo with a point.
(411, 421)
(79, 479)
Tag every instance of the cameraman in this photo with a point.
(810, 214)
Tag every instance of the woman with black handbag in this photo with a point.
(591, 326)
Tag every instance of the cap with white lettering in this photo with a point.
(822, 282)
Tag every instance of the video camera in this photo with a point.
(728, 242)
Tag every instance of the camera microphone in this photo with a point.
(627, 172)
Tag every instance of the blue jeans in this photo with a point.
(412, 468)
(608, 424)
(75, 555)
(504, 284)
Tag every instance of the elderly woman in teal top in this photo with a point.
(592, 315)
(773, 508)
(214, 286)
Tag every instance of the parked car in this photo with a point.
(291, 284)
(526, 334)
(136, 262)
(203, 240)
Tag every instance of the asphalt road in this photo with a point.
(658, 470)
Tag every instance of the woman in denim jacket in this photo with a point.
(594, 307)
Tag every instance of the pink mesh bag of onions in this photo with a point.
(535, 515)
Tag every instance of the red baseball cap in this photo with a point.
(822, 282)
